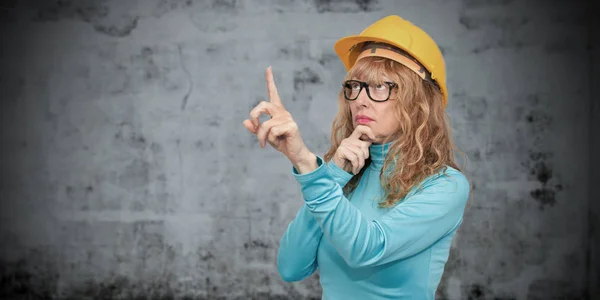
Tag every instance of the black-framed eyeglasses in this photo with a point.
(376, 92)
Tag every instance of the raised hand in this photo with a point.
(281, 131)
(354, 150)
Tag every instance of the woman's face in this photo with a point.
(379, 116)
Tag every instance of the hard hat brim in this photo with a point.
(344, 48)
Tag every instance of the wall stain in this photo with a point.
(504, 23)
(256, 244)
(126, 134)
(184, 101)
(542, 172)
(225, 5)
(305, 77)
(53, 11)
(214, 121)
(296, 51)
(19, 283)
(146, 60)
(538, 162)
(25, 279)
(117, 30)
(476, 155)
(79, 195)
(504, 43)
(165, 6)
(485, 3)
(476, 292)
(475, 108)
(544, 196)
(205, 145)
(206, 256)
(345, 6)
(213, 48)
(328, 59)
(539, 121)
(122, 287)
(223, 26)
(95, 13)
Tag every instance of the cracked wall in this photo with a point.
(127, 173)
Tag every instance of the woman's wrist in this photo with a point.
(307, 163)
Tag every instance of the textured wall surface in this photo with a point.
(594, 216)
(127, 173)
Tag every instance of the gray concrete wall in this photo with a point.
(594, 215)
(127, 173)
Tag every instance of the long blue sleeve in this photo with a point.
(297, 255)
(413, 225)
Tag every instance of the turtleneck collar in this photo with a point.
(378, 152)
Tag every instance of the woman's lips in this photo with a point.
(363, 119)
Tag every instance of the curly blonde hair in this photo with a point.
(423, 144)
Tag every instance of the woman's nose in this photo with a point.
(363, 98)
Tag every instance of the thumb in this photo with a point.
(365, 138)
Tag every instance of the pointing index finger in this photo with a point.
(272, 89)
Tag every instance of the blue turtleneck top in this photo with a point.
(362, 251)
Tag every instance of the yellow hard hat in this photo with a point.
(410, 39)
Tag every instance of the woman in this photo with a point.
(384, 203)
